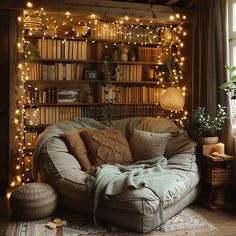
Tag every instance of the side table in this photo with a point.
(217, 176)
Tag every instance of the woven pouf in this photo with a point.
(33, 201)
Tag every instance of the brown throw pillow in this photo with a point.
(146, 145)
(77, 147)
(107, 146)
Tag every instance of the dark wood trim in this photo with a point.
(104, 8)
(4, 100)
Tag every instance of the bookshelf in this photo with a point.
(68, 78)
(63, 65)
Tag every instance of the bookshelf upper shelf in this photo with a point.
(94, 40)
(63, 104)
(50, 61)
(71, 82)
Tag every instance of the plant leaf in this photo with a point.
(225, 85)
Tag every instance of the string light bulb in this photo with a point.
(29, 4)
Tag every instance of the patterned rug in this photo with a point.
(187, 222)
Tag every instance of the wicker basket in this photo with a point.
(33, 201)
(219, 175)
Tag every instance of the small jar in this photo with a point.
(124, 57)
(124, 54)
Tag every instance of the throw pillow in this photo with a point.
(78, 149)
(145, 145)
(107, 146)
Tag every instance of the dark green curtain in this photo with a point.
(210, 53)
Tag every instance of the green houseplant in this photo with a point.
(230, 86)
(201, 124)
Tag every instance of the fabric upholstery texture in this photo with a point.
(77, 148)
(106, 146)
(145, 145)
(136, 209)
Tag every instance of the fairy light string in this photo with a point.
(92, 28)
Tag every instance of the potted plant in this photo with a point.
(202, 126)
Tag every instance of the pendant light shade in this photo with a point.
(172, 99)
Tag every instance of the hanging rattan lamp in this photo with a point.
(172, 99)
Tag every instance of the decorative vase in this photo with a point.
(124, 57)
(209, 140)
(124, 54)
(89, 99)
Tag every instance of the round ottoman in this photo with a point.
(33, 201)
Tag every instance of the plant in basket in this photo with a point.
(201, 125)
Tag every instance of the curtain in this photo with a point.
(210, 57)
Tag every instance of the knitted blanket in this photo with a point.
(113, 179)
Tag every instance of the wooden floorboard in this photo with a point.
(224, 220)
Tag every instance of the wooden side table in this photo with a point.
(217, 176)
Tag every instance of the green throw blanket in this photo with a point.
(113, 179)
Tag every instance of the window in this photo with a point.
(232, 41)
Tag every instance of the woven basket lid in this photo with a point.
(33, 201)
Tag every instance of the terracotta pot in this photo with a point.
(209, 140)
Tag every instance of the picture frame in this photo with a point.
(90, 74)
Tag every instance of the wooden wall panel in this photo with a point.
(4, 100)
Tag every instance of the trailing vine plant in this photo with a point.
(110, 72)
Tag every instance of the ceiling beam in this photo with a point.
(104, 8)
(191, 3)
(171, 2)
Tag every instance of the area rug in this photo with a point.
(187, 222)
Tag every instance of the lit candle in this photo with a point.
(220, 148)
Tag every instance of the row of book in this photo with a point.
(56, 95)
(48, 95)
(123, 32)
(75, 71)
(130, 73)
(52, 115)
(140, 94)
(59, 49)
(57, 71)
(119, 94)
(152, 54)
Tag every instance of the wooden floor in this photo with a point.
(224, 220)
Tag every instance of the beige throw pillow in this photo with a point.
(146, 145)
(77, 147)
(107, 146)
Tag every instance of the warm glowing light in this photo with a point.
(171, 17)
(177, 16)
(67, 13)
(93, 15)
(29, 4)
